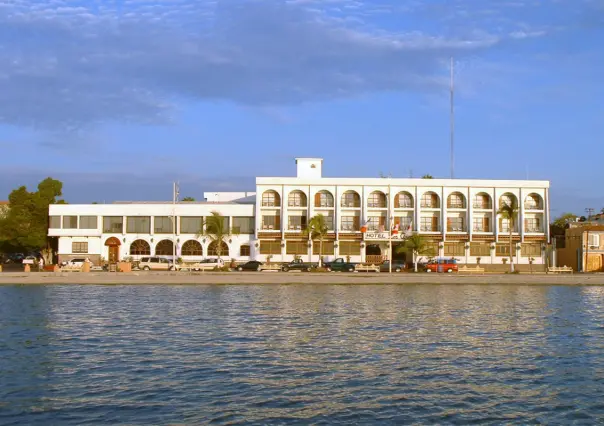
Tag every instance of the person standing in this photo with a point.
(41, 264)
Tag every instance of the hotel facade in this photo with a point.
(457, 217)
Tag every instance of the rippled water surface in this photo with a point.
(74, 355)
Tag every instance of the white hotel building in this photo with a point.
(457, 216)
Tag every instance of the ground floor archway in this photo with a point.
(113, 248)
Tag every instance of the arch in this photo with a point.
(403, 200)
(351, 199)
(224, 251)
(139, 248)
(482, 200)
(297, 198)
(456, 200)
(113, 242)
(164, 248)
(430, 200)
(376, 199)
(324, 199)
(373, 250)
(533, 202)
(191, 248)
(271, 198)
(508, 199)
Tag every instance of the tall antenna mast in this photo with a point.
(452, 119)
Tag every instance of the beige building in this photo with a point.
(583, 247)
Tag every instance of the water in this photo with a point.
(75, 355)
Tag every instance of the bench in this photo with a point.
(367, 268)
(71, 268)
(270, 267)
(559, 269)
(471, 269)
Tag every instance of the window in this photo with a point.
(244, 250)
(243, 225)
(270, 247)
(456, 201)
(480, 249)
(504, 225)
(481, 224)
(403, 200)
(329, 222)
(79, 247)
(455, 249)
(376, 223)
(296, 199)
(533, 202)
(327, 249)
(271, 223)
(430, 200)
(138, 224)
(140, 247)
(296, 247)
(376, 199)
(54, 222)
(70, 222)
(213, 249)
(164, 248)
(323, 199)
(214, 222)
(482, 201)
(192, 248)
(503, 249)
(351, 199)
(350, 248)
(296, 223)
(530, 250)
(507, 199)
(113, 224)
(271, 199)
(429, 224)
(404, 222)
(88, 222)
(455, 224)
(162, 225)
(191, 224)
(593, 240)
(532, 224)
(350, 223)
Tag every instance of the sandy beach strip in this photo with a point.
(268, 278)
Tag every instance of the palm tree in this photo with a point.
(214, 227)
(418, 246)
(509, 212)
(428, 176)
(188, 199)
(317, 229)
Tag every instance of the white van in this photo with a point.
(207, 265)
(155, 263)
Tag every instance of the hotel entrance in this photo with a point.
(113, 245)
(373, 253)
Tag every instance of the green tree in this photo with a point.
(25, 225)
(216, 229)
(427, 176)
(317, 229)
(510, 212)
(188, 199)
(418, 246)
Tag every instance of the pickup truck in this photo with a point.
(340, 265)
(298, 265)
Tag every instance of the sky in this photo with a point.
(118, 98)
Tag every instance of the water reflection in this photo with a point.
(305, 353)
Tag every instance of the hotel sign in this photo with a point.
(381, 236)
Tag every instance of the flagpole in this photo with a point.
(390, 231)
(174, 225)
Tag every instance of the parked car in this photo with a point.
(30, 260)
(207, 265)
(155, 263)
(252, 265)
(396, 266)
(442, 265)
(298, 265)
(78, 261)
(340, 264)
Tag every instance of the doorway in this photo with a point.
(113, 245)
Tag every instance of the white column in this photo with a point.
(443, 213)
(521, 215)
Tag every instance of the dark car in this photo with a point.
(298, 265)
(252, 265)
(340, 264)
(396, 266)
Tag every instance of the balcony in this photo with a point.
(532, 206)
(533, 229)
(482, 229)
(298, 228)
(482, 206)
(453, 205)
(429, 228)
(454, 228)
(350, 228)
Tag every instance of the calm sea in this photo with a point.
(300, 354)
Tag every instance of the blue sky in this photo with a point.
(119, 97)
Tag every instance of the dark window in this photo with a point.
(54, 222)
(243, 225)
(191, 225)
(79, 247)
(88, 222)
(244, 250)
(70, 222)
(113, 224)
(138, 224)
(350, 248)
(162, 225)
(270, 247)
(297, 247)
(192, 248)
(140, 247)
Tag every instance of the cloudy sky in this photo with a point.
(119, 97)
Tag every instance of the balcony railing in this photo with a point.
(351, 204)
(429, 205)
(270, 204)
(296, 228)
(405, 205)
(456, 229)
(533, 229)
(270, 228)
(532, 206)
(350, 228)
(455, 206)
(481, 229)
(376, 205)
(428, 228)
(483, 206)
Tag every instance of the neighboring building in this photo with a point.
(458, 217)
(583, 246)
(4, 206)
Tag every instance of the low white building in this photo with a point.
(458, 217)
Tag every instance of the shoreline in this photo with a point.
(279, 278)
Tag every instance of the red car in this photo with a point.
(442, 265)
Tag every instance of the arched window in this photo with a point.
(430, 200)
(212, 249)
(271, 199)
(456, 201)
(533, 202)
(244, 250)
(323, 199)
(140, 247)
(508, 199)
(351, 199)
(403, 200)
(192, 248)
(376, 199)
(164, 248)
(296, 199)
(482, 200)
